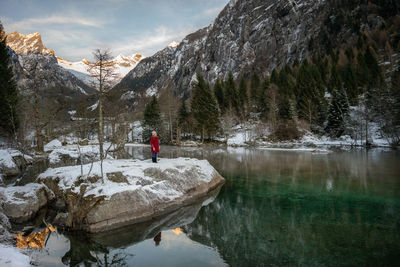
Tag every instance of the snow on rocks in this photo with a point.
(12, 162)
(7, 164)
(52, 145)
(12, 256)
(133, 191)
(21, 203)
(73, 154)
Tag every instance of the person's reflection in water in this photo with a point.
(157, 239)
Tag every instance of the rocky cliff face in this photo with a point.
(27, 43)
(27, 51)
(249, 36)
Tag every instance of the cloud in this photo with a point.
(33, 23)
(150, 42)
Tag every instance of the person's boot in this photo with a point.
(154, 159)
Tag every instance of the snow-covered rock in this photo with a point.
(52, 145)
(132, 191)
(73, 155)
(21, 203)
(7, 164)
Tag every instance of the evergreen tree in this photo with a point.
(231, 94)
(362, 70)
(374, 71)
(254, 86)
(183, 116)
(219, 94)
(205, 108)
(350, 83)
(152, 119)
(8, 91)
(243, 99)
(263, 91)
(338, 108)
(274, 77)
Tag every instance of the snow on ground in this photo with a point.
(136, 173)
(238, 139)
(12, 256)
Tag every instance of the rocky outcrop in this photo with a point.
(32, 63)
(132, 191)
(21, 203)
(27, 43)
(254, 36)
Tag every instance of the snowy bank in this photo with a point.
(133, 191)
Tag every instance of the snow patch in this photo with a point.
(12, 256)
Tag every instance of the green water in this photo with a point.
(278, 208)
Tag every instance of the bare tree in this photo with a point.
(102, 70)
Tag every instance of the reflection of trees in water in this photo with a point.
(104, 248)
(85, 251)
(286, 227)
(34, 239)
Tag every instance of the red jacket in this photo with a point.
(155, 147)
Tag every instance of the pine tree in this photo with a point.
(254, 86)
(274, 77)
(183, 116)
(262, 103)
(374, 71)
(151, 119)
(350, 83)
(219, 94)
(231, 94)
(8, 91)
(205, 108)
(338, 111)
(243, 98)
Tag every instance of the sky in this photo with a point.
(74, 28)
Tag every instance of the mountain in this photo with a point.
(255, 36)
(123, 64)
(27, 43)
(26, 51)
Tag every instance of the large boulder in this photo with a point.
(21, 203)
(131, 191)
(12, 164)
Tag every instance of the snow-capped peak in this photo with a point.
(173, 44)
(123, 64)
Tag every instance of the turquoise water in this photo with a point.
(278, 208)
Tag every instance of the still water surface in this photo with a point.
(278, 208)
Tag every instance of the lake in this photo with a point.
(277, 208)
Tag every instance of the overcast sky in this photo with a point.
(74, 28)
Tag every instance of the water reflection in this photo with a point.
(277, 208)
(34, 239)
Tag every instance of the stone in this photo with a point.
(61, 219)
(146, 191)
(21, 203)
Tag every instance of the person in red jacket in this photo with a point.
(155, 146)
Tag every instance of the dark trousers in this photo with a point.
(154, 157)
